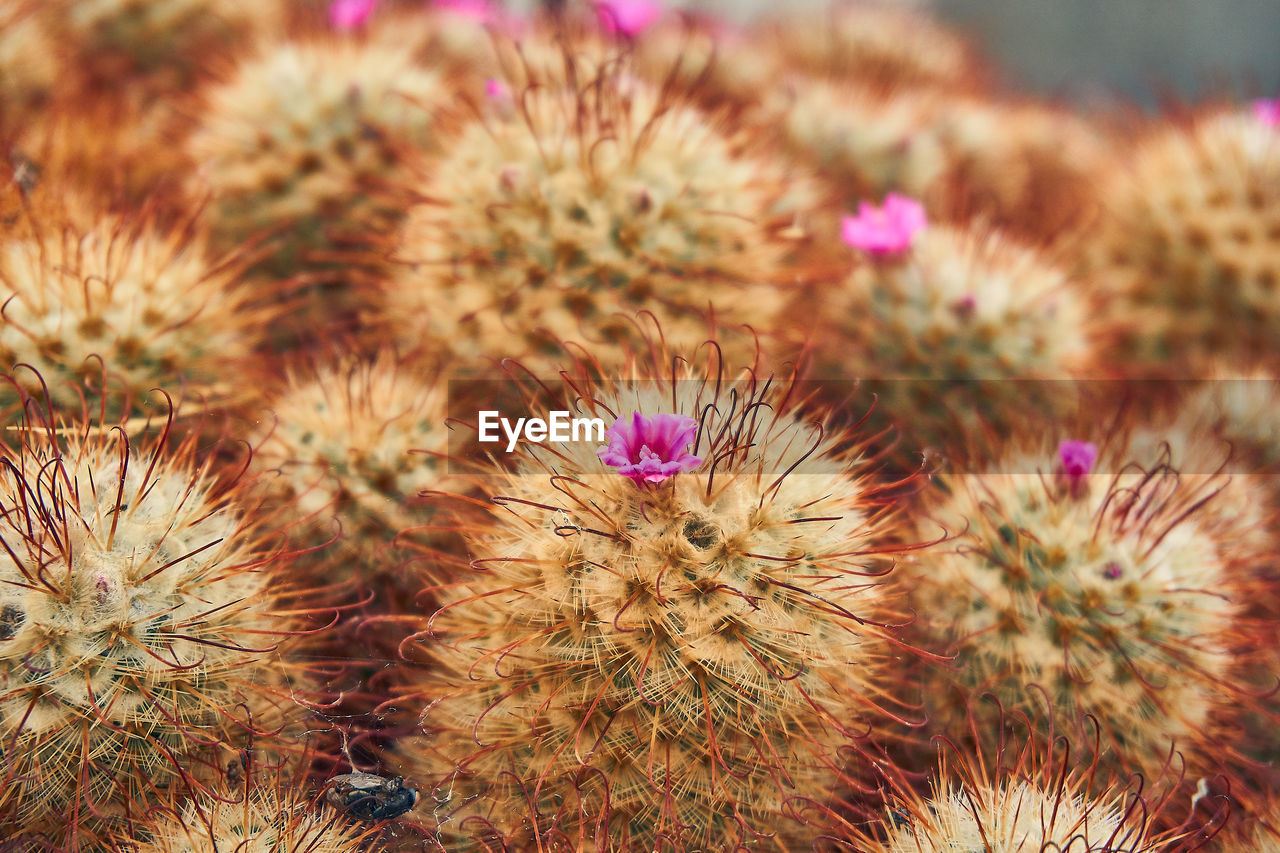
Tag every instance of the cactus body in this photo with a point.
(142, 304)
(561, 222)
(136, 622)
(1189, 247)
(668, 661)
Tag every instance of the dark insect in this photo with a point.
(365, 796)
(237, 766)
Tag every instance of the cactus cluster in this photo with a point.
(294, 556)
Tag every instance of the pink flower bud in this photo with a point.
(1267, 111)
(349, 14)
(1077, 457)
(884, 230)
(480, 11)
(628, 17)
(496, 89)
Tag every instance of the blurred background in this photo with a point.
(1090, 50)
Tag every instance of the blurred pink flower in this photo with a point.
(628, 17)
(349, 14)
(1267, 111)
(1077, 457)
(885, 229)
(480, 11)
(650, 450)
(496, 89)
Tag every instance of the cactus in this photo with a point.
(1024, 167)
(559, 221)
(268, 820)
(124, 299)
(1188, 248)
(137, 626)
(964, 328)
(28, 69)
(161, 45)
(310, 140)
(708, 59)
(874, 43)
(1017, 816)
(671, 651)
(358, 439)
(1113, 592)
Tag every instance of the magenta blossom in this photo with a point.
(628, 17)
(480, 11)
(1077, 457)
(650, 450)
(349, 14)
(496, 89)
(884, 230)
(1268, 111)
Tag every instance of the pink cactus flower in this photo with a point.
(885, 230)
(496, 89)
(480, 11)
(628, 17)
(650, 450)
(1077, 457)
(349, 14)
(1268, 111)
(1075, 461)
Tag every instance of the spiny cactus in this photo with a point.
(122, 297)
(161, 45)
(267, 820)
(949, 324)
(138, 626)
(1188, 248)
(310, 139)
(1111, 588)
(582, 208)
(28, 68)
(710, 60)
(1025, 167)
(862, 141)
(875, 43)
(358, 439)
(1016, 817)
(674, 642)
